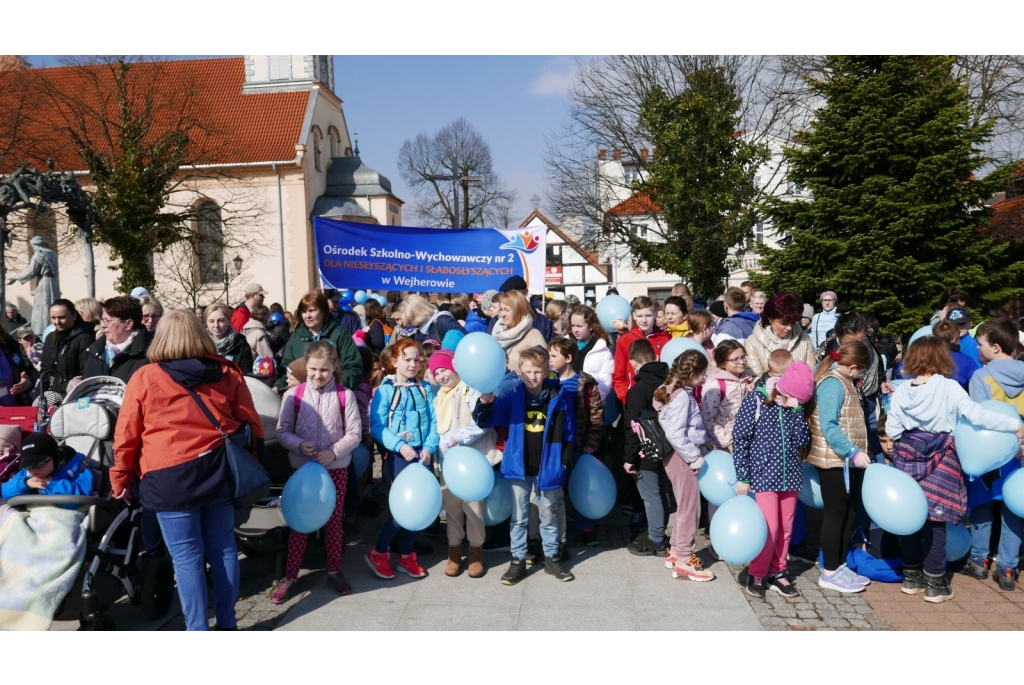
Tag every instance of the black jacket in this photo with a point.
(639, 398)
(64, 355)
(279, 335)
(240, 353)
(125, 364)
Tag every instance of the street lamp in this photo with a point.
(456, 180)
(237, 262)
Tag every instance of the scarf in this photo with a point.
(225, 343)
(510, 337)
(680, 331)
(112, 350)
(444, 408)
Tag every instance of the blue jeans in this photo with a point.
(1009, 538)
(547, 501)
(188, 534)
(655, 489)
(394, 464)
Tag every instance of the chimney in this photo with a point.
(643, 153)
(617, 154)
(602, 154)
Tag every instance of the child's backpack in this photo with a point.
(653, 443)
(698, 392)
(300, 390)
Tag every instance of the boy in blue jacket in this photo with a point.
(539, 416)
(1002, 378)
(48, 469)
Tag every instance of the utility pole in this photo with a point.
(460, 219)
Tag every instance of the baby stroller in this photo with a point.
(114, 566)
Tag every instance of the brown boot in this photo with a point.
(476, 562)
(454, 565)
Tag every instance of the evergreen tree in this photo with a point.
(894, 206)
(701, 176)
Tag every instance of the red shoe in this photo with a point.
(380, 564)
(410, 566)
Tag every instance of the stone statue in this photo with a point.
(44, 267)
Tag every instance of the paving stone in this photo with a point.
(837, 623)
(806, 614)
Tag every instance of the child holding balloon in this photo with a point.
(770, 431)
(680, 419)
(454, 408)
(402, 419)
(922, 415)
(320, 422)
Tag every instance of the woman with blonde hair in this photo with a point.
(514, 330)
(230, 345)
(188, 397)
(422, 321)
(90, 310)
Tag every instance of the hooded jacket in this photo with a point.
(125, 364)
(737, 327)
(766, 444)
(321, 421)
(164, 439)
(596, 359)
(683, 425)
(475, 323)
(403, 414)
(256, 336)
(63, 355)
(623, 375)
(718, 410)
(559, 433)
(348, 353)
(640, 398)
(74, 478)
(1003, 380)
(763, 341)
(933, 407)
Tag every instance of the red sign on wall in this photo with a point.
(552, 274)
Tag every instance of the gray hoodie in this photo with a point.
(935, 406)
(1007, 373)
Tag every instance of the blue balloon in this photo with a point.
(498, 504)
(981, 450)
(920, 333)
(893, 500)
(1013, 492)
(738, 531)
(360, 296)
(676, 346)
(592, 487)
(346, 297)
(810, 491)
(480, 362)
(361, 459)
(308, 498)
(380, 298)
(717, 478)
(346, 307)
(415, 497)
(613, 307)
(958, 542)
(467, 473)
(49, 329)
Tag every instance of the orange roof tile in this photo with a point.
(635, 205)
(1007, 222)
(236, 127)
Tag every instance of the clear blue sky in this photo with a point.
(514, 102)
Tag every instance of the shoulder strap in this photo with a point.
(341, 397)
(206, 410)
(300, 390)
(721, 387)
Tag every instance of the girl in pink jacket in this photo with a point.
(320, 422)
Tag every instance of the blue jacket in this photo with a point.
(74, 478)
(407, 420)
(475, 323)
(766, 450)
(966, 365)
(559, 433)
(969, 346)
(738, 326)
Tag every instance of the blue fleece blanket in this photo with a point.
(41, 552)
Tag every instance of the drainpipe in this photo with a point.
(280, 230)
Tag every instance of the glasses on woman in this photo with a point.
(737, 360)
(151, 317)
(104, 322)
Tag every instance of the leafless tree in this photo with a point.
(456, 149)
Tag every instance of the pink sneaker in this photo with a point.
(670, 559)
(283, 592)
(380, 564)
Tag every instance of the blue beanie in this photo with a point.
(451, 340)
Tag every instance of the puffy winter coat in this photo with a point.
(718, 410)
(321, 421)
(623, 375)
(596, 359)
(763, 341)
(589, 415)
(766, 445)
(683, 425)
(640, 398)
(403, 414)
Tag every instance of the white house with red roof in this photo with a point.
(275, 150)
(569, 269)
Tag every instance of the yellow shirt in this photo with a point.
(680, 331)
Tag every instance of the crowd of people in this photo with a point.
(775, 383)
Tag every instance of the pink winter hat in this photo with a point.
(442, 359)
(797, 381)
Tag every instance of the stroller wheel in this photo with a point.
(157, 588)
(105, 622)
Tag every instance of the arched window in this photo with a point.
(335, 139)
(317, 137)
(209, 244)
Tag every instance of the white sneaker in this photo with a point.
(839, 582)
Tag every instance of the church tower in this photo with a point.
(287, 72)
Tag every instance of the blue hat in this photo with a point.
(275, 318)
(139, 292)
(959, 316)
(452, 339)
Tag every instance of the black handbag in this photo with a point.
(249, 481)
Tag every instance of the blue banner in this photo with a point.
(361, 256)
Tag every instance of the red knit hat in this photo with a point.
(797, 382)
(442, 359)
